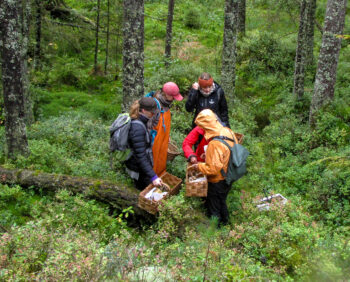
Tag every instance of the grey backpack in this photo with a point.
(119, 132)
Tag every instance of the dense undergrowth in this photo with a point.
(64, 237)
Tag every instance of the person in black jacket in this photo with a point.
(207, 94)
(140, 164)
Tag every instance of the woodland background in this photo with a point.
(72, 78)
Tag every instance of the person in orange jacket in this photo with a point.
(161, 124)
(216, 159)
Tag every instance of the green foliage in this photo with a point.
(184, 75)
(262, 52)
(73, 144)
(14, 206)
(192, 18)
(33, 251)
(177, 217)
(74, 211)
(63, 237)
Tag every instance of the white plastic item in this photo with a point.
(266, 202)
(154, 195)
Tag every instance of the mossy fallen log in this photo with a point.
(117, 195)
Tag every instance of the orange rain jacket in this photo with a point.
(161, 142)
(217, 155)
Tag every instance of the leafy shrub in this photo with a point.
(182, 75)
(261, 52)
(73, 144)
(330, 191)
(281, 237)
(34, 252)
(176, 216)
(15, 206)
(74, 211)
(68, 71)
(192, 18)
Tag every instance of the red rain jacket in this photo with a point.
(192, 139)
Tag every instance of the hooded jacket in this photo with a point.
(216, 101)
(217, 155)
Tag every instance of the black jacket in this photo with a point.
(140, 160)
(216, 101)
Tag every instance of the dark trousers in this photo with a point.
(216, 201)
(142, 182)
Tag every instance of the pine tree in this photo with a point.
(13, 77)
(133, 51)
(228, 71)
(328, 57)
(169, 28)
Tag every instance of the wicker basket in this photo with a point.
(173, 151)
(239, 137)
(195, 188)
(151, 206)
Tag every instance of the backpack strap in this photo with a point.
(151, 94)
(222, 140)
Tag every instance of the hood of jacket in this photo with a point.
(208, 120)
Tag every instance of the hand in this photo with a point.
(195, 85)
(203, 156)
(157, 182)
(195, 167)
(193, 160)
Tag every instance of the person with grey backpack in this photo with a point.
(129, 131)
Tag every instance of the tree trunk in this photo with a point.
(12, 78)
(37, 52)
(133, 51)
(169, 30)
(28, 101)
(228, 71)
(117, 54)
(241, 14)
(96, 36)
(117, 195)
(310, 31)
(107, 38)
(300, 56)
(328, 57)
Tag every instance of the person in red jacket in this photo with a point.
(194, 137)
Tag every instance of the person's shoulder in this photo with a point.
(137, 124)
(199, 130)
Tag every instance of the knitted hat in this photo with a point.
(205, 83)
(171, 89)
(149, 104)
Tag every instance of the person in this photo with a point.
(139, 165)
(194, 137)
(161, 124)
(207, 94)
(216, 159)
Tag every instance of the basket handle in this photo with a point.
(165, 187)
(190, 166)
